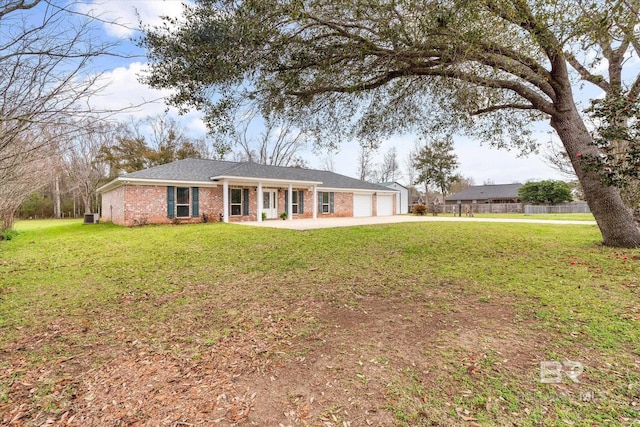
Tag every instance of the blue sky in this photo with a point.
(482, 163)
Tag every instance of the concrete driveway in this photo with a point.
(312, 224)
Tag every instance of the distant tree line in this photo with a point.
(87, 158)
(95, 152)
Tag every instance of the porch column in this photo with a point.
(290, 203)
(314, 204)
(225, 200)
(259, 202)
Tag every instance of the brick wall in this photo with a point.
(210, 202)
(131, 205)
(308, 202)
(342, 206)
(145, 204)
(113, 206)
(252, 205)
(395, 204)
(374, 205)
(309, 205)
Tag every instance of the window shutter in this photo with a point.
(301, 202)
(245, 201)
(331, 202)
(286, 201)
(195, 204)
(171, 201)
(319, 201)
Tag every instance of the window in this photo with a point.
(236, 201)
(182, 202)
(325, 202)
(266, 200)
(294, 202)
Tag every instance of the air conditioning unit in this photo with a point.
(91, 218)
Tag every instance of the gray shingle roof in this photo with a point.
(484, 192)
(184, 170)
(201, 170)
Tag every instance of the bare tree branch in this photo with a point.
(10, 7)
(597, 80)
(278, 144)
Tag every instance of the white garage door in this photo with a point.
(362, 205)
(384, 205)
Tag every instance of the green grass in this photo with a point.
(42, 224)
(562, 217)
(109, 285)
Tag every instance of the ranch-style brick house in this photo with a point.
(195, 190)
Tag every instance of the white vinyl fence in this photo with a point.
(575, 207)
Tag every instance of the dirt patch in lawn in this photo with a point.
(331, 365)
(346, 376)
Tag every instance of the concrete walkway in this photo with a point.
(312, 224)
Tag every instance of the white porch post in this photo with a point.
(314, 208)
(259, 202)
(225, 200)
(290, 202)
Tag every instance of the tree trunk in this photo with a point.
(57, 210)
(614, 219)
(6, 221)
(86, 200)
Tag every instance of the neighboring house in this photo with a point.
(497, 193)
(402, 198)
(418, 200)
(194, 190)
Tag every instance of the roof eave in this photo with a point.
(359, 190)
(263, 180)
(123, 180)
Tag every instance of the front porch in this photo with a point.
(267, 199)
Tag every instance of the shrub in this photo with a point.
(419, 210)
(8, 234)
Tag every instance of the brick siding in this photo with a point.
(131, 205)
(113, 206)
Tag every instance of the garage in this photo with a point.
(384, 205)
(362, 205)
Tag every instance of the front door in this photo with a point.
(270, 203)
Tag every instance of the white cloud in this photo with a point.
(124, 92)
(500, 166)
(122, 17)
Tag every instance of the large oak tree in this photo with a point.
(487, 67)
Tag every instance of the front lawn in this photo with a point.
(415, 324)
(560, 217)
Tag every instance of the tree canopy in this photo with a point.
(545, 192)
(436, 164)
(618, 137)
(367, 68)
(131, 149)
